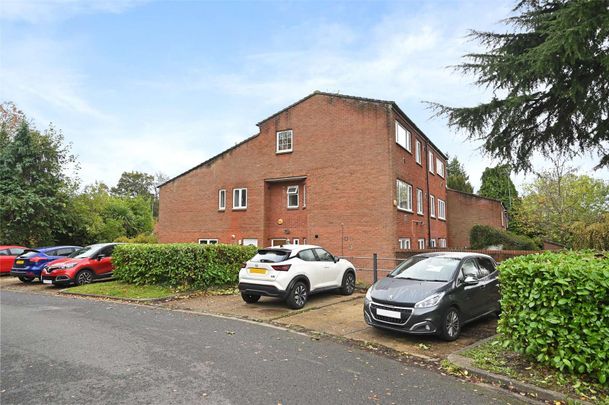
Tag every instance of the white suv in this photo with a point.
(292, 272)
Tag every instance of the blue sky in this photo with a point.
(162, 86)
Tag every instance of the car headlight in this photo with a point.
(68, 266)
(430, 301)
(369, 294)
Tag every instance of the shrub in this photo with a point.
(555, 308)
(140, 238)
(482, 236)
(183, 265)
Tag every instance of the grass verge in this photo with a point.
(119, 289)
(491, 356)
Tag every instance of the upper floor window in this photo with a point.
(404, 195)
(240, 198)
(402, 136)
(440, 167)
(222, 200)
(430, 162)
(293, 197)
(441, 209)
(432, 206)
(417, 151)
(285, 141)
(404, 243)
(419, 201)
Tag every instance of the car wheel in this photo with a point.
(25, 279)
(348, 285)
(298, 295)
(250, 298)
(451, 325)
(84, 277)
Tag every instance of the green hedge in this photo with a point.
(555, 308)
(180, 265)
(481, 236)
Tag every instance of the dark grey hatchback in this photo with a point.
(434, 293)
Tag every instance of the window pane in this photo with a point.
(323, 255)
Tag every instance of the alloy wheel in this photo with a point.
(300, 295)
(350, 284)
(85, 277)
(452, 323)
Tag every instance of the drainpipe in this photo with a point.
(426, 167)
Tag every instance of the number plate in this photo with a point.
(255, 270)
(47, 281)
(389, 314)
(19, 262)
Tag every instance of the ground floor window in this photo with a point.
(295, 241)
(208, 241)
(442, 242)
(404, 243)
(421, 243)
(432, 243)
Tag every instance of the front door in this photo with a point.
(328, 270)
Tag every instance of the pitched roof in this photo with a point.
(393, 105)
(475, 195)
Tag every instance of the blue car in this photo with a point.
(29, 265)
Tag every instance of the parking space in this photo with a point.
(14, 284)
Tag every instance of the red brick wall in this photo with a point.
(466, 210)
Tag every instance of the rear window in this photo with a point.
(29, 254)
(271, 256)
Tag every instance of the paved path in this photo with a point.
(65, 350)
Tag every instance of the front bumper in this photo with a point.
(262, 289)
(59, 279)
(25, 273)
(416, 321)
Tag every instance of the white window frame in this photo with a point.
(432, 243)
(432, 206)
(304, 196)
(403, 137)
(404, 243)
(222, 199)
(442, 242)
(295, 241)
(440, 167)
(291, 191)
(419, 201)
(208, 241)
(237, 195)
(430, 161)
(402, 185)
(281, 133)
(421, 244)
(441, 209)
(417, 152)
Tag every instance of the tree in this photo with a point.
(457, 177)
(135, 184)
(550, 83)
(34, 187)
(565, 207)
(496, 183)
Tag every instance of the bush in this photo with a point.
(482, 236)
(182, 265)
(140, 238)
(555, 308)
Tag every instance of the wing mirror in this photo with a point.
(336, 259)
(99, 257)
(470, 280)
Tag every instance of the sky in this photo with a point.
(161, 86)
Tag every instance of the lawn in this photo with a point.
(493, 357)
(119, 289)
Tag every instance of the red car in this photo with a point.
(81, 267)
(7, 257)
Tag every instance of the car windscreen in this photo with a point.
(85, 252)
(271, 256)
(427, 268)
(28, 254)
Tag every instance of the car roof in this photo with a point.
(44, 249)
(454, 255)
(12, 246)
(292, 248)
(98, 245)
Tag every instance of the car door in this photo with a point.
(6, 261)
(103, 262)
(328, 269)
(473, 295)
(488, 279)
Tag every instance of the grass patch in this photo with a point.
(491, 356)
(119, 289)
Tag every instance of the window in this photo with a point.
(63, 252)
(432, 243)
(404, 243)
(404, 194)
(304, 196)
(284, 141)
(432, 206)
(307, 255)
(222, 200)
(421, 243)
(441, 209)
(208, 241)
(442, 242)
(440, 167)
(293, 197)
(323, 255)
(469, 269)
(417, 151)
(295, 241)
(402, 136)
(430, 161)
(486, 266)
(419, 201)
(240, 198)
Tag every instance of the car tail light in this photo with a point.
(36, 259)
(282, 267)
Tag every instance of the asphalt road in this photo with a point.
(66, 350)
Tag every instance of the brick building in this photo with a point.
(354, 175)
(467, 210)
